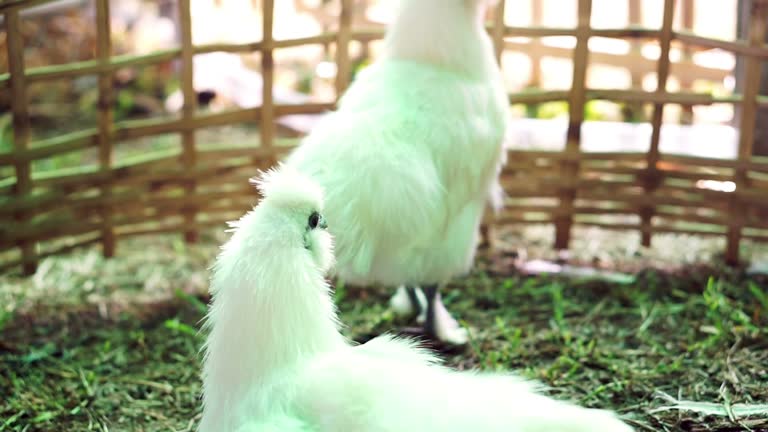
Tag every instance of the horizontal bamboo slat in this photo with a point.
(90, 67)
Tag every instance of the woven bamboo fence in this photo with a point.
(49, 213)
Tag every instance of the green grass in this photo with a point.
(114, 345)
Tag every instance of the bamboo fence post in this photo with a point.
(651, 177)
(343, 68)
(189, 154)
(576, 101)
(21, 131)
(489, 215)
(104, 52)
(267, 126)
(752, 67)
(498, 30)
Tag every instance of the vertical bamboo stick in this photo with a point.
(498, 30)
(651, 176)
(268, 75)
(189, 155)
(635, 13)
(576, 100)
(343, 68)
(537, 16)
(635, 110)
(21, 131)
(686, 82)
(104, 51)
(758, 19)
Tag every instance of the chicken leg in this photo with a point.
(428, 308)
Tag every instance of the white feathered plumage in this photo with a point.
(275, 360)
(410, 158)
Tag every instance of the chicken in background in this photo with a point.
(411, 157)
(143, 27)
(229, 81)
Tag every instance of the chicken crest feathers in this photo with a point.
(286, 187)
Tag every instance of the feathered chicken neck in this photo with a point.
(271, 309)
(444, 33)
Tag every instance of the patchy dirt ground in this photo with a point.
(94, 344)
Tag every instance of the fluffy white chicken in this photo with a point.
(275, 360)
(410, 157)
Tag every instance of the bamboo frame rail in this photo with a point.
(758, 19)
(44, 213)
(652, 177)
(343, 67)
(189, 153)
(21, 126)
(104, 138)
(576, 101)
(267, 119)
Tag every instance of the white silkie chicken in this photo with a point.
(275, 360)
(411, 156)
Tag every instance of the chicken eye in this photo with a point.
(314, 220)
